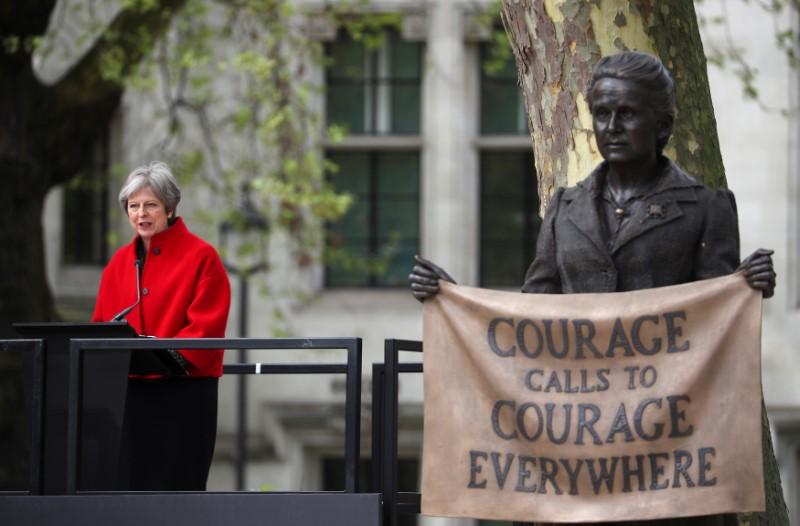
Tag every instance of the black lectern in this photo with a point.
(105, 386)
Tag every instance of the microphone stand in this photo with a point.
(124, 312)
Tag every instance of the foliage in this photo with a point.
(500, 50)
(733, 56)
(237, 113)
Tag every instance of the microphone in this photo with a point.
(124, 312)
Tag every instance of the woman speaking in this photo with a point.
(179, 289)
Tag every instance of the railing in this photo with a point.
(385, 383)
(36, 388)
(352, 370)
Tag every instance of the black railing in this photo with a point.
(34, 383)
(385, 389)
(352, 370)
(385, 384)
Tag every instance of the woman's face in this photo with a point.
(625, 126)
(147, 214)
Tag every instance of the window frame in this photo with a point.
(375, 142)
(374, 241)
(377, 85)
(488, 142)
(95, 174)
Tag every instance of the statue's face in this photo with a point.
(625, 126)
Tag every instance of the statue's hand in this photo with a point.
(424, 278)
(759, 271)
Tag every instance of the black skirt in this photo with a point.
(168, 434)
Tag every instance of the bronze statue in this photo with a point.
(637, 221)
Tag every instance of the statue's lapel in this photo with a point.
(582, 213)
(656, 210)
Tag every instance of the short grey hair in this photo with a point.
(647, 71)
(158, 177)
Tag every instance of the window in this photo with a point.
(509, 216)
(374, 92)
(509, 209)
(85, 220)
(502, 109)
(383, 221)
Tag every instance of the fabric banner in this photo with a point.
(593, 407)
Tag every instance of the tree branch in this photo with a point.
(130, 36)
(83, 102)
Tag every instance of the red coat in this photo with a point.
(185, 293)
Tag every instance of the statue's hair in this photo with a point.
(647, 71)
(158, 177)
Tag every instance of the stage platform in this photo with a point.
(193, 509)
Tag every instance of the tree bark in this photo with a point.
(556, 43)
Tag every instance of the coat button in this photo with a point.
(156, 251)
(145, 291)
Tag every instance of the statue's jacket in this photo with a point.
(679, 232)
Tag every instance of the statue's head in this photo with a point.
(652, 79)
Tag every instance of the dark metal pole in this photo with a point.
(377, 427)
(74, 408)
(254, 220)
(390, 432)
(353, 417)
(241, 388)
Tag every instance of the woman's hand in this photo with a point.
(759, 271)
(424, 278)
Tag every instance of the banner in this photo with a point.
(593, 407)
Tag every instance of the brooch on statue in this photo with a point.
(656, 211)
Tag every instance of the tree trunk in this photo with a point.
(24, 294)
(556, 43)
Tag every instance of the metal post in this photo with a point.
(353, 417)
(394, 502)
(75, 374)
(241, 388)
(254, 221)
(37, 412)
(390, 432)
(377, 427)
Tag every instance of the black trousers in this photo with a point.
(168, 435)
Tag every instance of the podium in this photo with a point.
(105, 384)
